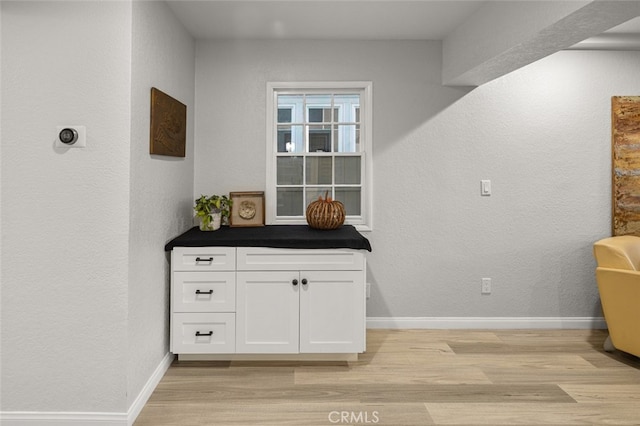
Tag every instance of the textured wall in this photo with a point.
(541, 134)
(231, 79)
(161, 187)
(65, 212)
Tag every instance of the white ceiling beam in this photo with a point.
(606, 41)
(504, 36)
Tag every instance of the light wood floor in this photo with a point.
(415, 377)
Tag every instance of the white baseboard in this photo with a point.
(45, 418)
(502, 323)
(144, 395)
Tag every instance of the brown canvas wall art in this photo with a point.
(625, 143)
(168, 125)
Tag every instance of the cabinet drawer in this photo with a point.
(204, 291)
(203, 259)
(274, 259)
(201, 333)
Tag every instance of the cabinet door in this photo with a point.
(267, 312)
(332, 312)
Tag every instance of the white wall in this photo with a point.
(161, 187)
(541, 134)
(231, 81)
(65, 212)
(85, 277)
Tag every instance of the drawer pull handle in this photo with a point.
(294, 282)
(198, 334)
(200, 259)
(204, 292)
(304, 281)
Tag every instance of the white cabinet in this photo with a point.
(256, 300)
(300, 301)
(268, 305)
(203, 259)
(332, 312)
(300, 312)
(204, 291)
(203, 300)
(200, 332)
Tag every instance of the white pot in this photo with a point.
(214, 222)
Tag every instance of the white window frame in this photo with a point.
(363, 222)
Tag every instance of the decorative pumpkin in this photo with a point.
(325, 214)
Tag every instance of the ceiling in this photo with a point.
(305, 19)
(349, 20)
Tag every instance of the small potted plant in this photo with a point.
(212, 211)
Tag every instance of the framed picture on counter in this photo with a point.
(247, 208)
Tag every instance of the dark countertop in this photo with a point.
(278, 236)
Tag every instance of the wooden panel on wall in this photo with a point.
(625, 142)
(168, 125)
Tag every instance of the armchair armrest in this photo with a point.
(620, 296)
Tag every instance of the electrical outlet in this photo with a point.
(486, 286)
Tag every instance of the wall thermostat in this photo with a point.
(71, 136)
(68, 135)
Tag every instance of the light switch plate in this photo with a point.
(485, 188)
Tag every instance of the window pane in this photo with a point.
(289, 171)
(326, 115)
(316, 105)
(348, 138)
(314, 193)
(289, 202)
(319, 170)
(348, 104)
(350, 197)
(322, 115)
(290, 138)
(347, 170)
(320, 138)
(315, 115)
(294, 105)
(284, 115)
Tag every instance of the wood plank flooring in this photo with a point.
(415, 377)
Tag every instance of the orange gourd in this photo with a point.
(325, 214)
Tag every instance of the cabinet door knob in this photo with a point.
(294, 282)
(198, 334)
(304, 281)
(204, 292)
(201, 259)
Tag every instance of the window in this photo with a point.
(319, 142)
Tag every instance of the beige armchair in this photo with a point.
(618, 277)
